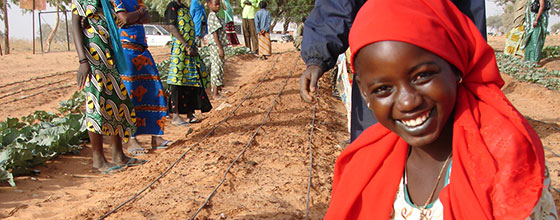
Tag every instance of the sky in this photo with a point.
(21, 24)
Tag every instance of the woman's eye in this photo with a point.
(381, 90)
(423, 76)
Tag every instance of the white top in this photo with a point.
(404, 209)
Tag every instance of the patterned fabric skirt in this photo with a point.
(514, 39)
(535, 44)
(216, 66)
(146, 91)
(344, 85)
(231, 34)
(535, 37)
(109, 110)
(186, 99)
(265, 47)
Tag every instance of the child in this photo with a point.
(216, 42)
(299, 34)
(108, 107)
(226, 12)
(448, 144)
(262, 24)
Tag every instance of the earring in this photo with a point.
(459, 79)
(368, 105)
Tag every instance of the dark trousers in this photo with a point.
(250, 34)
(360, 117)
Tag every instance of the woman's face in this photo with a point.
(411, 91)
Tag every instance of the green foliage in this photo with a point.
(280, 10)
(495, 22)
(163, 69)
(289, 10)
(554, 8)
(528, 71)
(73, 105)
(39, 137)
(551, 52)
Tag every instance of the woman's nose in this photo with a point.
(408, 99)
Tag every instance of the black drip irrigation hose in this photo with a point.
(191, 147)
(311, 155)
(550, 150)
(36, 78)
(248, 143)
(555, 154)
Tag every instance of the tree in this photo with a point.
(60, 34)
(280, 10)
(4, 17)
(60, 5)
(496, 23)
(507, 17)
(554, 8)
(289, 11)
(555, 28)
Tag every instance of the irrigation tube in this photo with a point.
(248, 143)
(550, 150)
(311, 155)
(191, 147)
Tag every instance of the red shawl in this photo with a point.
(498, 160)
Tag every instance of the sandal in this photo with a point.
(183, 123)
(111, 170)
(137, 151)
(193, 119)
(135, 162)
(163, 145)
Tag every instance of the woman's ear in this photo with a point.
(362, 92)
(459, 79)
(457, 73)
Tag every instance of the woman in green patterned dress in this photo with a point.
(187, 77)
(109, 110)
(535, 31)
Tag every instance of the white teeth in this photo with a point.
(418, 121)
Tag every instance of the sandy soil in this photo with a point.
(268, 182)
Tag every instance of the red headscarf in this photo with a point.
(498, 161)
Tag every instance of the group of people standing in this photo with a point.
(124, 94)
(256, 26)
(528, 30)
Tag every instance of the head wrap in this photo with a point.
(498, 161)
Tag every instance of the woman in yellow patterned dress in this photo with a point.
(187, 77)
(108, 107)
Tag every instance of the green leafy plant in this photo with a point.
(528, 71)
(551, 52)
(39, 137)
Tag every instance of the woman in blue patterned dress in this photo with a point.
(108, 107)
(188, 77)
(142, 77)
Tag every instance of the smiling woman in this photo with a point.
(448, 145)
(415, 99)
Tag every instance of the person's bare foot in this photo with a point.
(177, 120)
(134, 147)
(107, 168)
(159, 143)
(120, 158)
